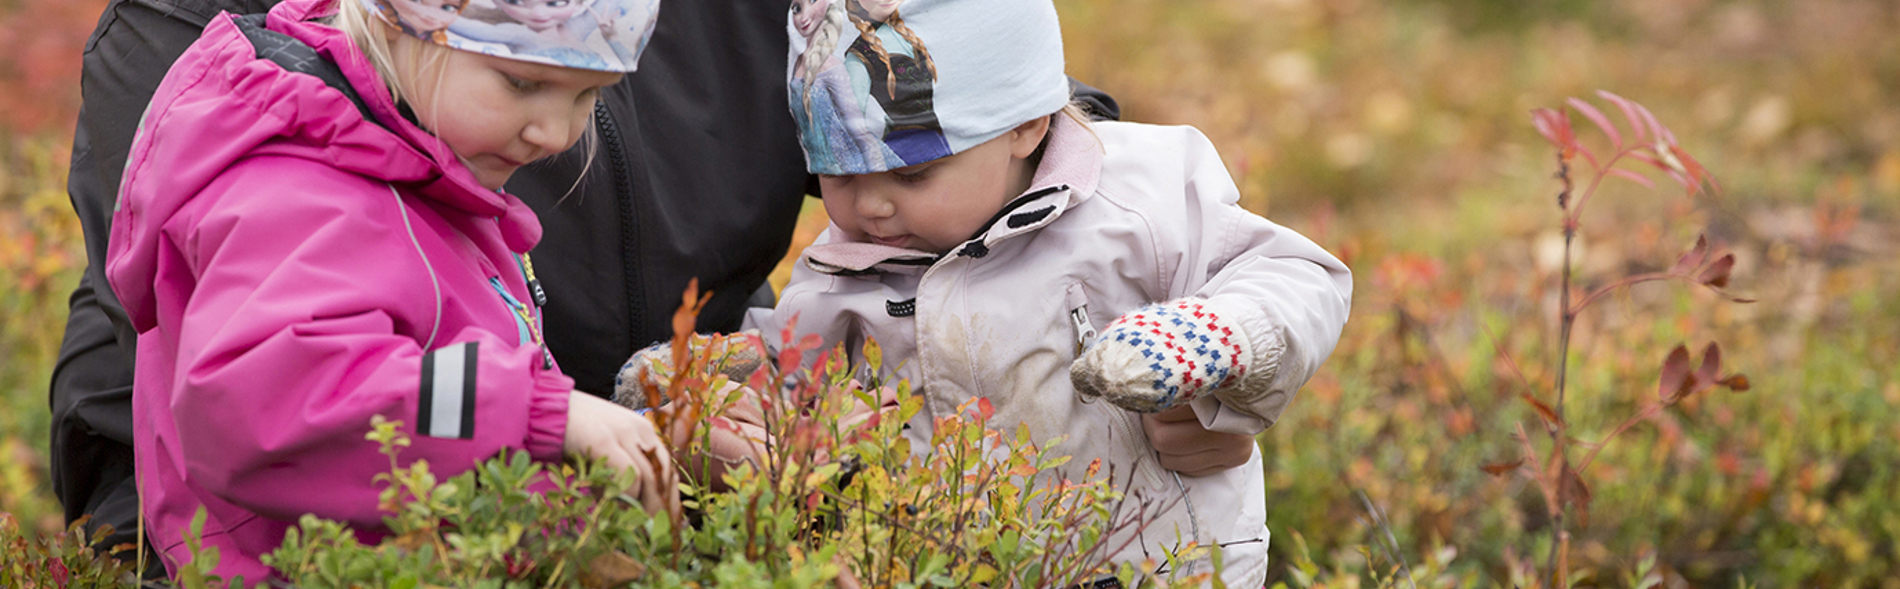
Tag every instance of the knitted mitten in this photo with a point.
(1161, 356)
(654, 365)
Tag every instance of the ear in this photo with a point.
(1025, 138)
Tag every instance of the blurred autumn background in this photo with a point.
(1398, 134)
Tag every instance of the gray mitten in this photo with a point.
(653, 365)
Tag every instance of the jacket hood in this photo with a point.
(222, 103)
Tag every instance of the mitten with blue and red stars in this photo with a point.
(1163, 355)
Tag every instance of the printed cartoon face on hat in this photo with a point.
(877, 10)
(427, 15)
(541, 15)
(808, 14)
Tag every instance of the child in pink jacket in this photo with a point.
(310, 233)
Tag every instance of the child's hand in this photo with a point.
(737, 435)
(599, 428)
(1162, 356)
(1186, 447)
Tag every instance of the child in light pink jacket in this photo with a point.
(1047, 262)
(311, 233)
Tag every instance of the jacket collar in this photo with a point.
(1071, 168)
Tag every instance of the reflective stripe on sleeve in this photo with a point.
(446, 404)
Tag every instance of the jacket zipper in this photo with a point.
(629, 233)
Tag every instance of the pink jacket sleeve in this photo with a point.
(297, 331)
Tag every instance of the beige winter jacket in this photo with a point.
(1145, 214)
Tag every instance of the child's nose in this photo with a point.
(873, 204)
(550, 132)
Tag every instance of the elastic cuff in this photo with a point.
(1255, 391)
(547, 415)
(1217, 417)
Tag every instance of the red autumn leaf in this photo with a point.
(1633, 177)
(787, 334)
(1577, 494)
(1643, 156)
(1623, 104)
(1555, 127)
(984, 409)
(1587, 154)
(1675, 374)
(1711, 365)
(1500, 468)
(1695, 168)
(1716, 274)
(1688, 185)
(1662, 133)
(1693, 258)
(1544, 411)
(1602, 123)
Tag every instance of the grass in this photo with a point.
(1397, 134)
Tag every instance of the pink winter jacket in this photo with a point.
(294, 269)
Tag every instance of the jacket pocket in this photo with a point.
(1131, 447)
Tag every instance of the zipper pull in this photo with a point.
(1084, 329)
(534, 284)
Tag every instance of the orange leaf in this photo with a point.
(1550, 417)
(1736, 382)
(1500, 468)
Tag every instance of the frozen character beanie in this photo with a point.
(877, 85)
(604, 35)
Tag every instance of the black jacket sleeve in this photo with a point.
(130, 49)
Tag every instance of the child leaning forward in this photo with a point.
(1047, 262)
(311, 232)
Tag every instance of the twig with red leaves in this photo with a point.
(1654, 146)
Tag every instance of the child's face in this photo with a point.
(808, 14)
(936, 205)
(540, 15)
(427, 15)
(497, 114)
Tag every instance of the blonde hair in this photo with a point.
(401, 60)
(1079, 112)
